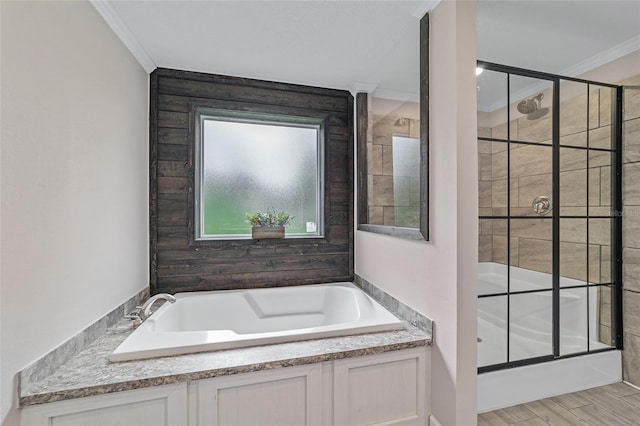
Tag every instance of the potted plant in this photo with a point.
(268, 224)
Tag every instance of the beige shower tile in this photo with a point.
(485, 226)
(606, 102)
(499, 165)
(526, 211)
(485, 248)
(535, 255)
(594, 108)
(573, 230)
(631, 358)
(370, 189)
(540, 229)
(382, 191)
(500, 228)
(631, 227)
(484, 166)
(631, 307)
(631, 184)
(374, 155)
(499, 211)
(605, 334)
(600, 158)
(631, 102)
(499, 193)
(484, 132)
(605, 264)
(529, 160)
(631, 140)
(601, 138)
(595, 263)
(485, 211)
(539, 130)
(484, 147)
(500, 132)
(376, 216)
(573, 261)
(595, 189)
(605, 187)
(600, 211)
(499, 250)
(572, 159)
(600, 231)
(576, 139)
(573, 211)
(484, 194)
(604, 305)
(631, 268)
(573, 115)
(530, 187)
(387, 160)
(573, 188)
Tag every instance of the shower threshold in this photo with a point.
(505, 388)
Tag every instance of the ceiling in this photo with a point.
(364, 44)
(559, 37)
(337, 44)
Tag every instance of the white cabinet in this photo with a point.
(382, 389)
(156, 406)
(287, 396)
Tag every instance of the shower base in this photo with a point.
(505, 388)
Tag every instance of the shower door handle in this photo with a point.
(541, 205)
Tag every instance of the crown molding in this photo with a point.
(112, 19)
(580, 68)
(602, 58)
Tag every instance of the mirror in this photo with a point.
(392, 132)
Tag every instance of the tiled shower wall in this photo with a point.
(631, 230)
(383, 205)
(531, 176)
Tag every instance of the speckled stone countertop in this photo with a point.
(90, 373)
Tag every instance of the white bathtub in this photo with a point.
(206, 321)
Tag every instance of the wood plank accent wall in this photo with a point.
(177, 261)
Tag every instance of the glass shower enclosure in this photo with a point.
(550, 198)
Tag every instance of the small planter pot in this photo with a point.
(262, 232)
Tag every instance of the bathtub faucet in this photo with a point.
(141, 313)
(145, 309)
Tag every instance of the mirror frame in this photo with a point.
(362, 118)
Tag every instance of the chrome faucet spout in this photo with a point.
(146, 307)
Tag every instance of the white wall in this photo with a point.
(74, 178)
(438, 278)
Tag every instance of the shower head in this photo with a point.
(532, 108)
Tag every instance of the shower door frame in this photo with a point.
(615, 216)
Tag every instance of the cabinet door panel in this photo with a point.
(291, 396)
(381, 389)
(157, 406)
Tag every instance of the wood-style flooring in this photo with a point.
(611, 405)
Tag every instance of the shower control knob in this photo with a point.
(541, 205)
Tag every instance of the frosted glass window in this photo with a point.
(253, 164)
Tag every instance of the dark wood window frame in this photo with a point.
(362, 116)
(180, 263)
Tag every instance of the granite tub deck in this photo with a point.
(90, 373)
